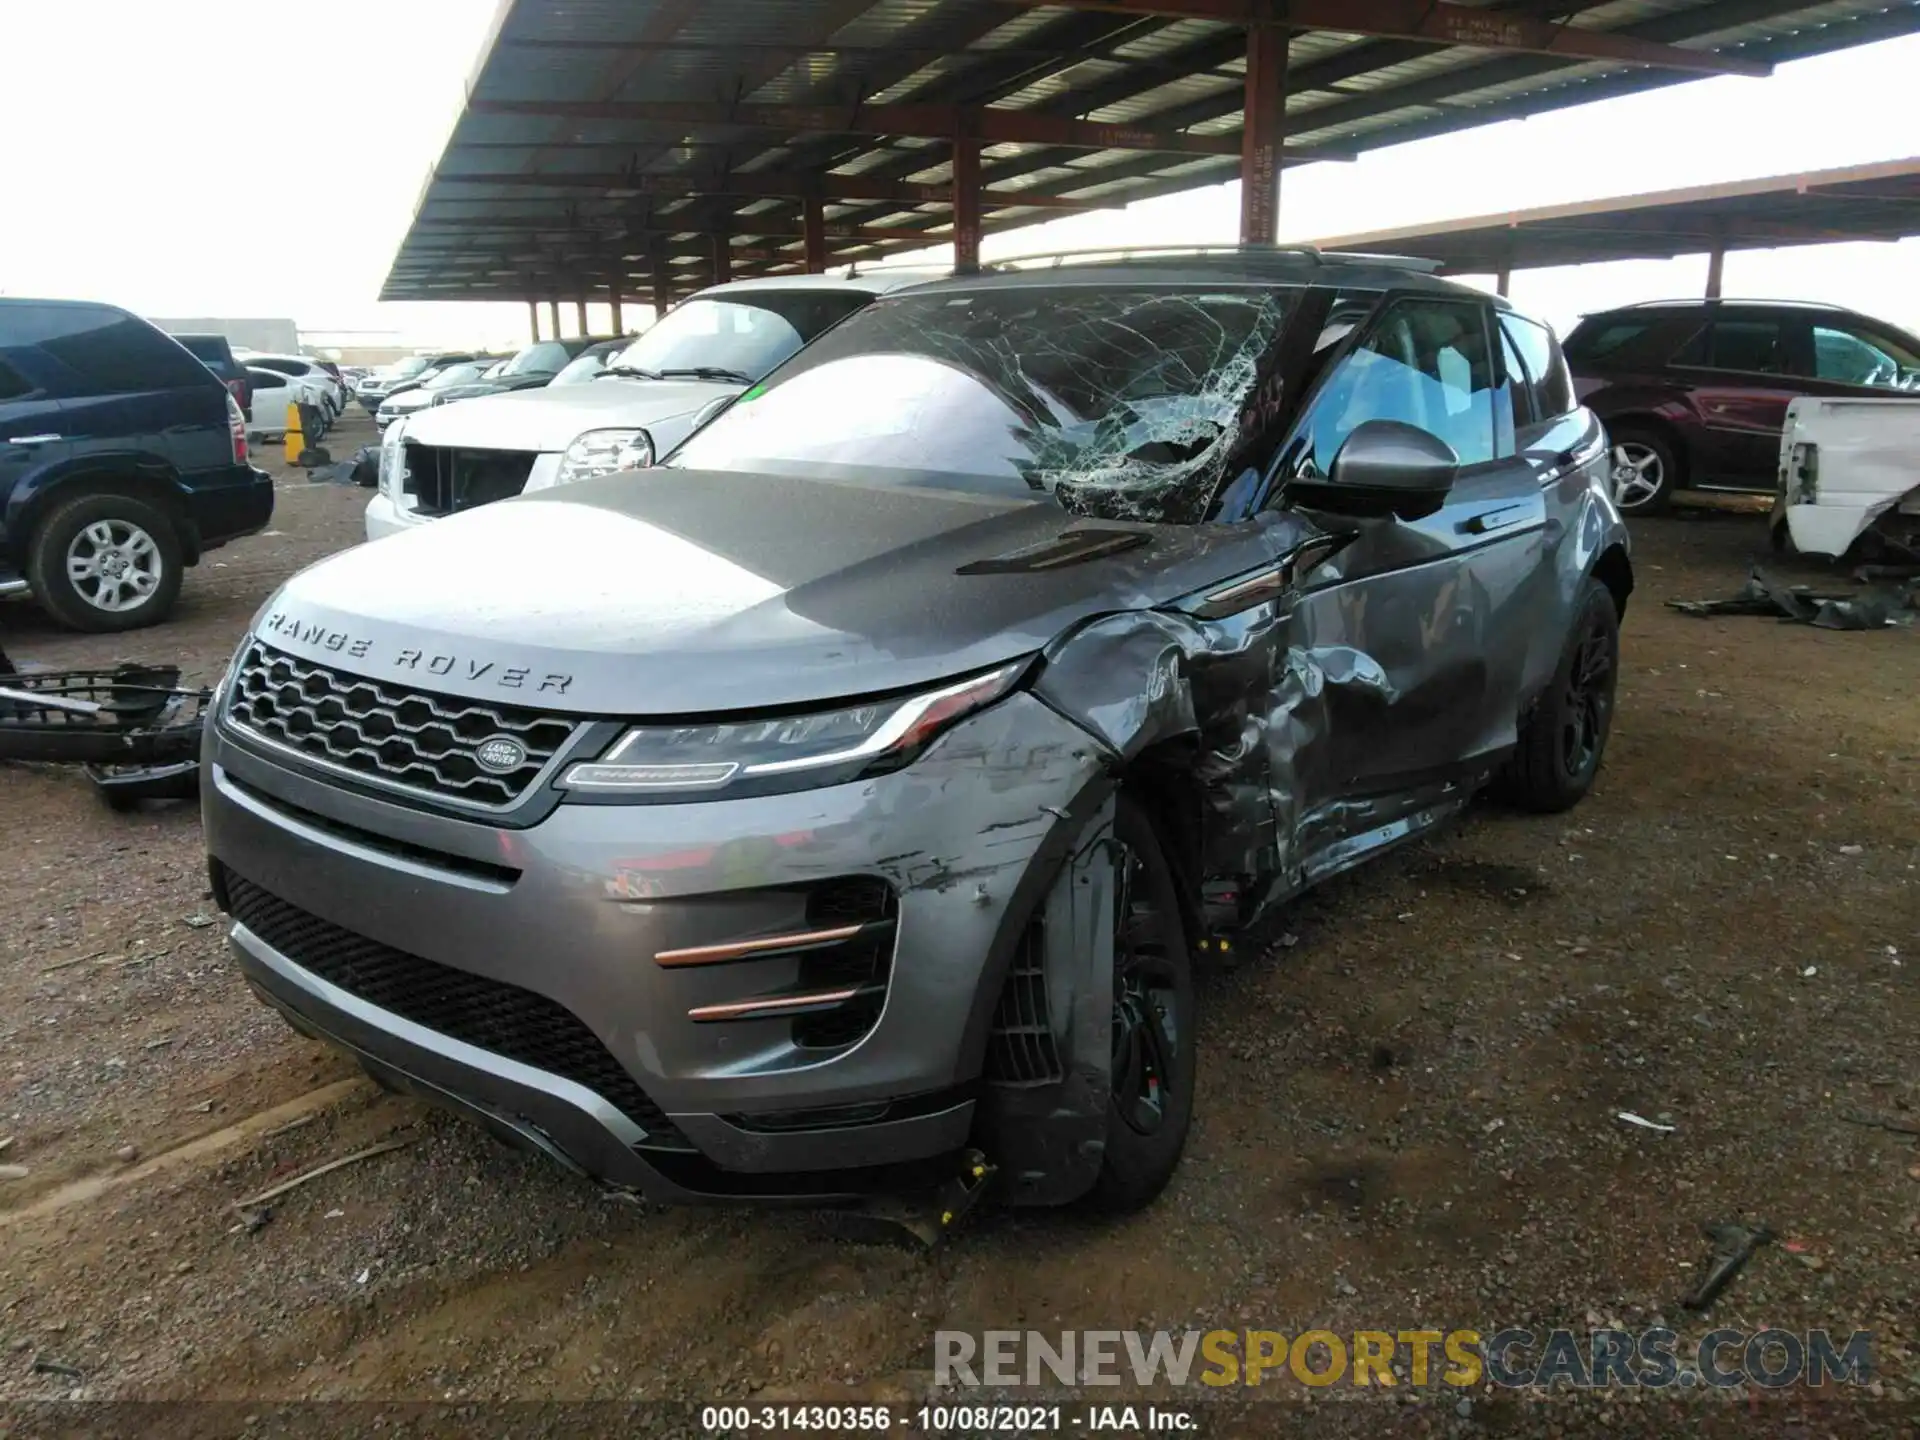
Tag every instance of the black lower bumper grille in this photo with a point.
(490, 1014)
(1020, 1046)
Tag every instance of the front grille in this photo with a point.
(1020, 1046)
(390, 735)
(445, 481)
(497, 1017)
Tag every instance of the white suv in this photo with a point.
(650, 397)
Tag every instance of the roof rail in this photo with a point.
(1129, 252)
(1691, 300)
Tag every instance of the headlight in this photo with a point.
(393, 462)
(601, 452)
(787, 752)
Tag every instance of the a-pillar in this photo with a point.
(966, 205)
(814, 228)
(1265, 133)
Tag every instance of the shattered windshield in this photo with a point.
(1129, 402)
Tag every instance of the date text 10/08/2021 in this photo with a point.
(944, 1419)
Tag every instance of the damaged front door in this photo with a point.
(1406, 648)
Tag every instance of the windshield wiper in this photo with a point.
(711, 372)
(635, 371)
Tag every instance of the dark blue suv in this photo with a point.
(122, 460)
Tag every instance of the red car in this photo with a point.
(1694, 392)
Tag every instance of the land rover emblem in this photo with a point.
(500, 755)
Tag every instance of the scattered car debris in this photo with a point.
(14, 1172)
(1875, 1122)
(69, 964)
(55, 1367)
(256, 1201)
(1644, 1123)
(133, 728)
(1873, 608)
(1733, 1246)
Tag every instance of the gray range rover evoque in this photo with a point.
(844, 800)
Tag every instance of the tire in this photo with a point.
(1651, 455)
(1564, 738)
(1153, 997)
(94, 526)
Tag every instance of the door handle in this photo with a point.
(31, 439)
(1490, 520)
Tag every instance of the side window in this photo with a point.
(1858, 357)
(1519, 384)
(1426, 363)
(1552, 384)
(266, 379)
(282, 367)
(1758, 347)
(13, 384)
(108, 351)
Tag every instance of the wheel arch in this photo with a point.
(1613, 570)
(144, 478)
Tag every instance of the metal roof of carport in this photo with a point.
(634, 148)
(1819, 207)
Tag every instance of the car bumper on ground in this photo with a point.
(512, 973)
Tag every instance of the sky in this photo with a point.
(263, 158)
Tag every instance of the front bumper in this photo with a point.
(385, 518)
(575, 907)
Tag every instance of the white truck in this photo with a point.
(1850, 474)
(446, 459)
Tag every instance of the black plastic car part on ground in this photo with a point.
(123, 459)
(129, 715)
(878, 777)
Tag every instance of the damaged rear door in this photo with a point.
(1406, 647)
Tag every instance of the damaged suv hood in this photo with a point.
(548, 420)
(679, 592)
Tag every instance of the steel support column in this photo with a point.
(966, 205)
(662, 293)
(553, 316)
(1503, 282)
(1716, 270)
(1265, 132)
(815, 225)
(533, 318)
(722, 258)
(613, 303)
(580, 314)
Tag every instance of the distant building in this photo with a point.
(274, 337)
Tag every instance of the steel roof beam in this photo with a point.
(1438, 22)
(777, 184)
(925, 122)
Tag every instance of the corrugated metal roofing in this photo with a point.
(1860, 202)
(501, 217)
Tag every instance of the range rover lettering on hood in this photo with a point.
(285, 626)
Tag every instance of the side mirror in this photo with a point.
(1385, 467)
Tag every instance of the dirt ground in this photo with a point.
(1407, 1113)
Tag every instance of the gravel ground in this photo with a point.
(1407, 1112)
